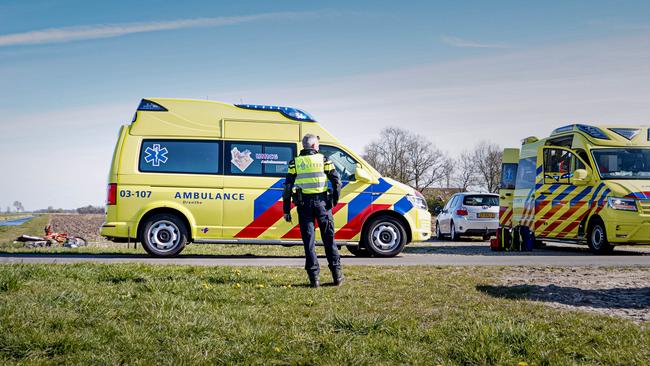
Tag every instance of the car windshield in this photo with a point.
(481, 200)
(624, 163)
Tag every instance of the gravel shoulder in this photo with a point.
(620, 292)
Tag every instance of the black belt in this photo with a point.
(313, 196)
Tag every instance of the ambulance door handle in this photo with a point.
(546, 193)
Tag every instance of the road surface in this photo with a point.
(430, 253)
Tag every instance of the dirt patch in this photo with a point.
(86, 226)
(623, 292)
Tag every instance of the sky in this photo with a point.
(72, 72)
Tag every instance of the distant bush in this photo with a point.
(90, 209)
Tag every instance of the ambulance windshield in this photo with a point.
(625, 163)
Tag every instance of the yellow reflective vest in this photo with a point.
(310, 173)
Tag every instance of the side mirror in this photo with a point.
(580, 177)
(364, 176)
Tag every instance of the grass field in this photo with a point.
(139, 314)
(32, 227)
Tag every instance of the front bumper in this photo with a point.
(625, 232)
(422, 228)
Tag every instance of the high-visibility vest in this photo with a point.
(310, 173)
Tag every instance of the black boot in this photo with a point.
(314, 282)
(338, 277)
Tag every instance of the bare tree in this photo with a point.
(19, 206)
(406, 157)
(425, 163)
(448, 171)
(465, 176)
(487, 158)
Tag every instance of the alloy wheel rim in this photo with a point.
(386, 237)
(597, 237)
(164, 235)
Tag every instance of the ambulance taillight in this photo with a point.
(111, 198)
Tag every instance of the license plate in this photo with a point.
(486, 215)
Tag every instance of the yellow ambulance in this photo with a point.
(585, 184)
(198, 171)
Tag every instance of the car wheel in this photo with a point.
(597, 238)
(439, 235)
(385, 237)
(453, 235)
(358, 250)
(164, 235)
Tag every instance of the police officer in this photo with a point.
(308, 174)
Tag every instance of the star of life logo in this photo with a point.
(155, 155)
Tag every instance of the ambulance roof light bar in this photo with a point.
(147, 105)
(291, 113)
(592, 131)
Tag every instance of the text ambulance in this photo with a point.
(581, 184)
(208, 172)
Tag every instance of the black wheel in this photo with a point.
(453, 235)
(597, 238)
(385, 237)
(358, 250)
(164, 235)
(439, 234)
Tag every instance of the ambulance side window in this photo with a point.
(558, 166)
(343, 162)
(180, 156)
(526, 173)
(258, 158)
(508, 175)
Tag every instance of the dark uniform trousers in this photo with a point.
(314, 208)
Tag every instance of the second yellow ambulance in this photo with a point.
(585, 184)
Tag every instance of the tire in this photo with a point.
(597, 238)
(439, 234)
(358, 250)
(164, 235)
(385, 237)
(453, 235)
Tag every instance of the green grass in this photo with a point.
(34, 226)
(141, 314)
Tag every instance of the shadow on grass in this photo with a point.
(613, 298)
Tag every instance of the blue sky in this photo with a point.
(72, 71)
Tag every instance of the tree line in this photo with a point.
(90, 209)
(414, 160)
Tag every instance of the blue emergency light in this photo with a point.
(291, 113)
(147, 105)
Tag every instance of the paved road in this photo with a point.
(430, 253)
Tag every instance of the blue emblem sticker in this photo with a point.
(155, 155)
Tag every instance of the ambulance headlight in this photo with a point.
(625, 204)
(417, 201)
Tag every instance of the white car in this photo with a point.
(469, 214)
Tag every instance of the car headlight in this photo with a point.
(417, 201)
(625, 204)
